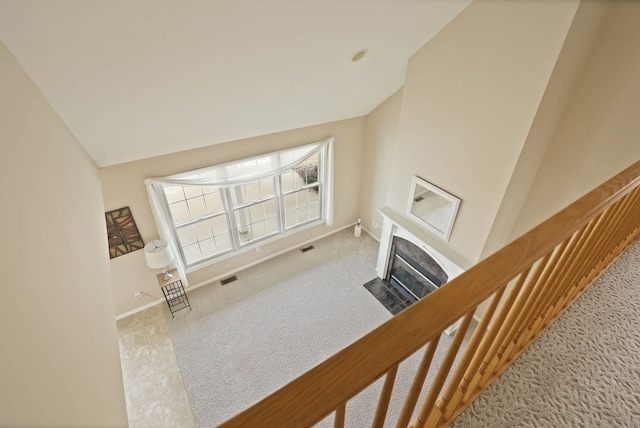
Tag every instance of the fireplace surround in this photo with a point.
(412, 272)
(409, 261)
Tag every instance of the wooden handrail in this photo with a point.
(541, 273)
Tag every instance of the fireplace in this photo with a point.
(412, 272)
(411, 262)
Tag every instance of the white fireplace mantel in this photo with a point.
(394, 224)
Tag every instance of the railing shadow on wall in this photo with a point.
(527, 285)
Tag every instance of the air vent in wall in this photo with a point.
(228, 280)
(305, 249)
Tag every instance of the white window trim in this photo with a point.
(219, 176)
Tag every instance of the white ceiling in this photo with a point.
(134, 79)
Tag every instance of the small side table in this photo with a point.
(174, 292)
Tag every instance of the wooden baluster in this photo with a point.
(487, 367)
(599, 223)
(340, 413)
(416, 386)
(445, 366)
(613, 218)
(620, 227)
(626, 208)
(609, 241)
(576, 268)
(524, 318)
(595, 254)
(555, 288)
(604, 246)
(536, 303)
(446, 402)
(559, 281)
(634, 219)
(590, 273)
(385, 396)
(617, 227)
(631, 221)
(472, 376)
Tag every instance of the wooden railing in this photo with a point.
(527, 284)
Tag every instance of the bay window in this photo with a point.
(219, 210)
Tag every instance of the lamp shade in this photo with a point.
(158, 254)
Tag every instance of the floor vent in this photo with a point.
(228, 280)
(418, 199)
(305, 249)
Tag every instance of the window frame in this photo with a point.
(229, 212)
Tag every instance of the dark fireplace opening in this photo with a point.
(410, 279)
(413, 272)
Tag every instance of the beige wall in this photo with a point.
(123, 185)
(379, 140)
(469, 100)
(600, 132)
(584, 30)
(60, 361)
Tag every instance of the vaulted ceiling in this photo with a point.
(135, 79)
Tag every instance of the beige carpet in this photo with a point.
(244, 340)
(584, 371)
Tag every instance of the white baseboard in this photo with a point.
(375, 238)
(139, 309)
(271, 256)
(234, 271)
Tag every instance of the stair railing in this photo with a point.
(527, 285)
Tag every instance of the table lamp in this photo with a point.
(159, 255)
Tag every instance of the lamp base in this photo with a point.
(167, 275)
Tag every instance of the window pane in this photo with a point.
(197, 207)
(186, 235)
(192, 192)
(267, 187)
(251, 192)
(174, 193)
(219, 224)
(301, 175)
(272, 225)
(308, 170)
(192, 253)
(214, 202)
(223, 242)
(314, 211)
(199, 241)
(301, 207)
(288, 180)
(257, 220)
(179, 212)
(203, 230)
(208, 248)
(257, 213)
